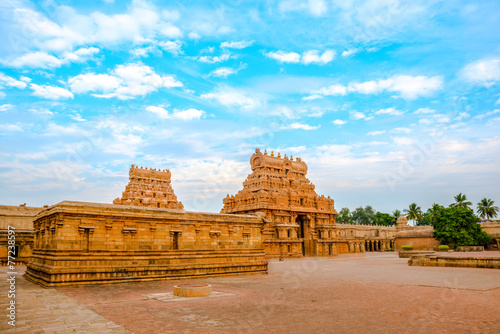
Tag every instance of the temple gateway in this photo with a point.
(299, 222)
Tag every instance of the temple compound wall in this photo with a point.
(20, 220)
(366, 238)
(91, 243)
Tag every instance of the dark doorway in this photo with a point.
(302, 226)
(175, 240)
(86, 240)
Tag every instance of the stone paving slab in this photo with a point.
(40, 310)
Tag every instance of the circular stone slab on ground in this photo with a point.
(192, 290)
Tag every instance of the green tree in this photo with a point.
(414, 212)
(365, 216)
(344, 216)
(486, 209)
(430, 215)
(459, 227)
(383, 219)
(461, 201)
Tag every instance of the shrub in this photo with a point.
(407, 247)
(443, 247)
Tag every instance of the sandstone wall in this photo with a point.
(89, 243)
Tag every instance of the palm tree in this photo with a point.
(461, 201)
(414, 212)
(395, 216)
(485, 208)
(433, 211)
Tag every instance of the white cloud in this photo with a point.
(312, 97)
(40, 59)
(189, 114)
(424, 111)
(170, 31)
(402, 141)
(376, 133)
(308, 57)
(125, 82)
(10, 128)
(5, 107)
(314, 7)
(234, 98)
(214, 59)
(159, 111)
(389, 111)
(339, 122)
(11, 82)
(300, 126)
(51, 92)
(401, 130)
(90, 82)
(35, 60)
(408, 87)
(485, 71)
(173, 47)
(368, 87)
(223, 72)
(486, 114)
(283, 111)
(349, 52)
(236, 45)
(412, 87)
(356, 115)
(194, 35)
(284, 57)
(313, 57)
(334, 89)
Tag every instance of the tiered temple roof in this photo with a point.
(277, 183)
(149, 187)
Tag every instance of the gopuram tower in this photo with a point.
(299, 222)
(149, 187)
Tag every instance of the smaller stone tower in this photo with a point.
(149, 187)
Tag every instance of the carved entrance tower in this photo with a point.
(299, 222)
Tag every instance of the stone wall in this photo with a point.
(21, 219)
(89, 243)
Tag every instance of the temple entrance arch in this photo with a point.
(302, 220)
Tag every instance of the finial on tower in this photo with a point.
(272, 153)
(265, 152)
(279, 155)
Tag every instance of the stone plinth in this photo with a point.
(89, 243)
(192, 290)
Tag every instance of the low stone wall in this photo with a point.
(89, 243)
(469, 249)
(452, 261)
(409, 254)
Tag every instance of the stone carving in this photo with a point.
(149, 187)
(298, 217)
(279, 184)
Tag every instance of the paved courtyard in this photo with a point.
(365, 293)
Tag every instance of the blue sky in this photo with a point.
(388, 102)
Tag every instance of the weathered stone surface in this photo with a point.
(20, 218)
(90, 243)
(467, 260)
(149, 187)
(299, 222)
